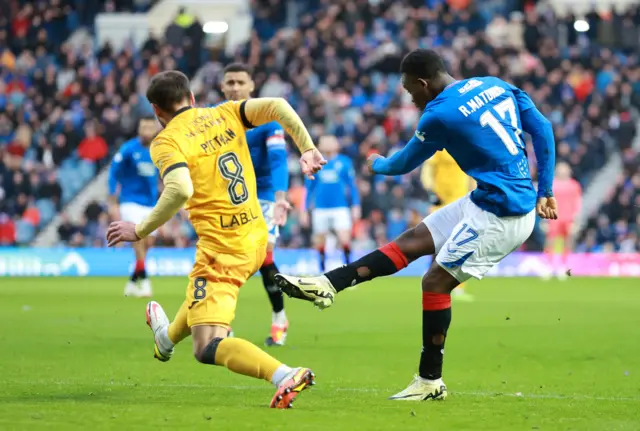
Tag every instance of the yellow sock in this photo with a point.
(242, 357)
(178, 329)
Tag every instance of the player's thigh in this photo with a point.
(416, 242)
(214, 283)
(442, 221)
(480, 241)
(268, 210)
(320, 222)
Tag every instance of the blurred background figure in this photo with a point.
(332, 200)
(133, 192)
(561, 232)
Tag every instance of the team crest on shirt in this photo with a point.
(470, 85)
(420, 135)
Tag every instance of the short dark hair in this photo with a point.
(168, 89)
(238, 67)
(423, 63)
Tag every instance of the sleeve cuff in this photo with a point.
(243, 116)
(545, 193)
(173, 167)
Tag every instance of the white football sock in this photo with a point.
(163, 337)
(280, 374)
(279, 318)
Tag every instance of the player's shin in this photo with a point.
(386, 260)
(436, 318)
(347, 253)
(139, 271)
(268, 270)
(323, 258)
(242, 357)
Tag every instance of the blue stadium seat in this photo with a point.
(25, 232)
(47, 210)
(86, 170)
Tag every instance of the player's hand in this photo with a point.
(372, 158)
(547, 208)
(311, 162)
(304, 219)
(280, 212)
(121, 231)
(356, 213)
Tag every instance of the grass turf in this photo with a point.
(525, 355)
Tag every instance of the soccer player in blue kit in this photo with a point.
(269, 156)
(137, 177)
(333, 200)
(479, 121)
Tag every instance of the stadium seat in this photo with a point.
(47, 210)
(86, 170)
(25, 232)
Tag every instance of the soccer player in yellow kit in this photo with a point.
(204, 162)
(443, 176)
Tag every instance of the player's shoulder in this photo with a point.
(166, 137)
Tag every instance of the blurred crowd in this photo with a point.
(338, 66)
(65, 109)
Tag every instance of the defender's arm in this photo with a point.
(178, 187)
(266, 109)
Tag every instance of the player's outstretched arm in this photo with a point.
(178, 189)
(410, 157)
(266, 109)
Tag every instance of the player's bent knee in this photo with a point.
(438, 280)
(207, 354)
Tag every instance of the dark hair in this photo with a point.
(168, 89)
(423, 63)
(238, 67)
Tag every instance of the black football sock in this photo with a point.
(436, 318)
(139, 271)
(322, 259)
(268, 270)
(347, 254)
(386, 260)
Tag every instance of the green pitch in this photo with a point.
(526, 355)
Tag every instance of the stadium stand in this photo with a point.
(64, 111)
(338, 67)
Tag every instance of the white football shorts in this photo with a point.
(135, 213)
(325, 220)
(268, 209)
(470, 241)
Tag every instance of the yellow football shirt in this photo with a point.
(211, 143)
(450, 183)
